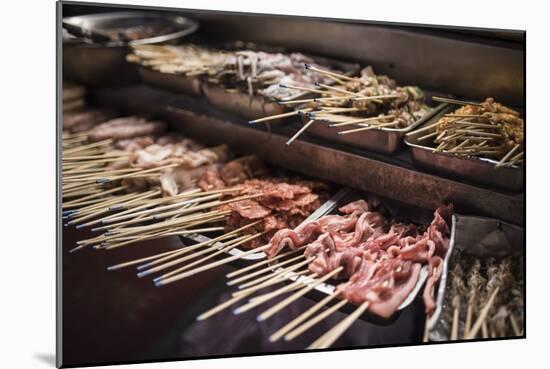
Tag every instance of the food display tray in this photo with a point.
(414, 214)
(478, 170)
(171, 82)
(257, 106)
(326, 207)
(478, 236)
(384, 140)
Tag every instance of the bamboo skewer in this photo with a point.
(454, 325)
(268, 296)
(482, 315)
(262, 271)
(326, 72)
(454, 101)
(164, 282)
(362, 120)
(261, 279)
(281, 272)
(300, 131)
(235, 299)
(327, 339)
(278, 116)
(190, 248)
(302, 317)
(282, 304)
(508, 154)
(377, 126)
(318, 318)
(260, 263)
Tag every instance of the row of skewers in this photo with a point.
(357, 104)
(249, 71)
(487, 130)
(485, 297)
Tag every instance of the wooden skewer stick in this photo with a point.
(164, 282)
(362, 120)
(482, 315)
(484, 329)
(310, 323)
(454, 325)
(302, 317)
(260, 263)
(454, 101)
(340, 90)
(515, 325)
(468, 323)
(85, 147)
(282, 304)
(268, 296)
(210, 242)
(423, 129)
(278, 116)
(300, 131)
(252, 286)
(505, 158)
(433, 134)
(426, 336)
(366, 98)
(224, 247)
(377, 126)
(235, 299)
(267, 269)
(327, 339)
(326, 72)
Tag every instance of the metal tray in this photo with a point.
(506, 239)
(326, 207)
(105, 64)
(384, 140)
(414, 214)
(479, 170)
(172, 82)
(258, 106)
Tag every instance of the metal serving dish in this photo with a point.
(480, 237)
(258, 106)
(326, 207)
(105, 64)
(417, 215)
(479, 170)
(173, 82)
(384, 140)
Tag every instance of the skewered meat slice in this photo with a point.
(434, 273)
(85, 120)
(127, 127)
(134, 144)
(180, 179)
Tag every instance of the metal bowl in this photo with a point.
(105, 64)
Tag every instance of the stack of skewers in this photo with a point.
(377, 263)
(357, 104)
(485, 298)
(485, 130)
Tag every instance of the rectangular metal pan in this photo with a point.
(172, 82)
(500, 239)
(478, 170)
(417, 215)
(384, 140)
(326, 207)
(258, 106)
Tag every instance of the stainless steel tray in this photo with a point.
(258, 106)
(324, 289)
(326, 207)
(506, 239)
(479, 170)
(173, 82)
(105, 64)
(384, 140)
